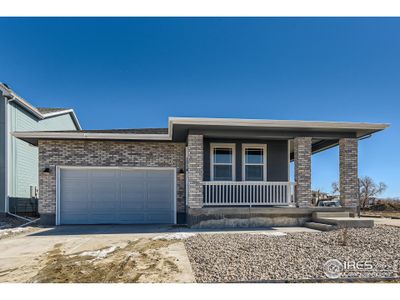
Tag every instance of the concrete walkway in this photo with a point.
(384, 221)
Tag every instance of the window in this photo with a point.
(222, 162)
(254, 162)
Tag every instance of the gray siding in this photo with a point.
(23, 156)
(277, 157)
(2, 152)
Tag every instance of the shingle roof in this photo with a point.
(47, 110)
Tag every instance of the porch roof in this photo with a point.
(324, 134)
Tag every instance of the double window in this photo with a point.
(222, 167)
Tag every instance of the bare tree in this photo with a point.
(368, 190)
(335, 188)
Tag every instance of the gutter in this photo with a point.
(26, 106)
(12, 97)
(85, 135)
(277, 123)
(7, 145)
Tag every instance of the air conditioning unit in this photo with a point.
(34, 191)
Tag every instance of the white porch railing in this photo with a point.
(252, 193)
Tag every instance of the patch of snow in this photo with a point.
(174, 236)
(133, 254)
(99, 253)
(273, 233)
(8, 231)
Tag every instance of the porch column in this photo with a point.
(302, 171)
(195, 170)
(348, 163)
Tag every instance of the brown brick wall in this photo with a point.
(54, 153)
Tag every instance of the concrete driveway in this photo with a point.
(95, 254)
(105, 253)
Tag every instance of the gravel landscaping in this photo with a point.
(296, 256)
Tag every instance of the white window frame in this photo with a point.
(222, 145)
(254, 146)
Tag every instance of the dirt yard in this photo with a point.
(97, 258)
(138, 261)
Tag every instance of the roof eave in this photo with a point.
(277, 123)
(88, 136)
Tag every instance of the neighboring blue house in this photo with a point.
(19, 160)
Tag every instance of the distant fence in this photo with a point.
(23, 206)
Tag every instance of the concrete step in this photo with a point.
(346, 222)
(333, 214)
(319, 226)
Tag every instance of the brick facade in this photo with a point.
(54, 153)
(302, 168)
(195, 170)
(348, 164)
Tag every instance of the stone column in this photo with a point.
(195, 170)
(348, 163)
(302, 171)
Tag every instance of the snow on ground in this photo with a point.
(11, 231)
(174, 236)
(102, 253)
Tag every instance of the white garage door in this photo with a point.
(116, 196)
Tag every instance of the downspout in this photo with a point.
(9, 99)
(28, 221)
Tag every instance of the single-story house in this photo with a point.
(19, 180)
(198, 171)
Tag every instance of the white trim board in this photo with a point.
(60, 168)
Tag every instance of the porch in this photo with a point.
(246, 182)
(239, 170)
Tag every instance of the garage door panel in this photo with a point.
(116, 196)
(133, 192)
(75, 206)
(158, 204)
(102, 218)
(157, 218)
(133, 176)
(103, 174)
(75, 188)
(75, 174)
(75, 218)
(139, 218)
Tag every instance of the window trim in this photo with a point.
(222, 145)
(254, 146)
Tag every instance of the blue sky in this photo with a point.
(135, 72)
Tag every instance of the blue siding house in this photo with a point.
(19, 160)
